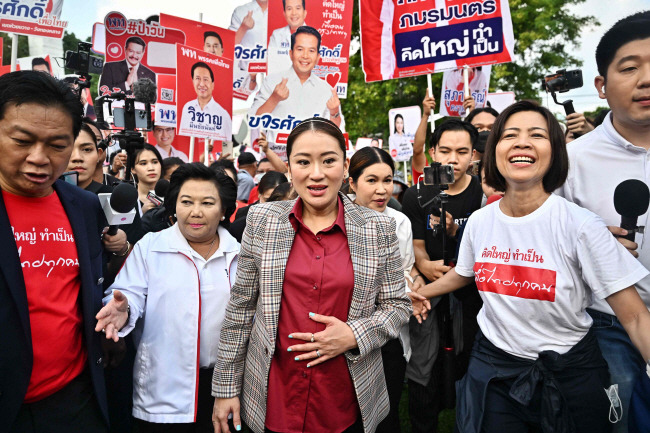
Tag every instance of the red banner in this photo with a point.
(202, 36)
(518, 281)
(403, 38)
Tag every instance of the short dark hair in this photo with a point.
(33, 87)
(454, 125)
(88, 130)
(270, 180)
(305, 30)
(209, 33)
(475, 112)
(136, 153)
(317, 124)
(169, 162)
(225, 165)
(557, 172)
(631, 28)
(284, 4)
(40, 61)
(284, 191)
(366, 157)
(198, 171)
(135, 40)
(262, 160)
(202, 65)
(246, 158)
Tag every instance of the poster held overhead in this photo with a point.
(402, 123)
(204, 91)
(454, 90)
(134, 50)
(333, 20)
(33, 18)
(403, 39)
(249, 22)
(211, 39)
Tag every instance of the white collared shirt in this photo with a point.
(172, 153)
(206, 128)
(256, 35)
(598, 162)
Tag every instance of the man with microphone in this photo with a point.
(51, 259)
(618, 147)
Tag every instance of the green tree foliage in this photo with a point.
(23, 47)
(545, 33)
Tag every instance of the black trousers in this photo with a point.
(584, 394)
(73, 408)
(425, 401)
(203, 422)
(392, 356)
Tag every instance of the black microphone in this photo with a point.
(631, 199)
(157, 196)
(145, 90)
(123, 200)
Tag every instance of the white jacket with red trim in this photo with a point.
(180, 299)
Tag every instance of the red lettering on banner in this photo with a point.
(281, 138)
(518, 281)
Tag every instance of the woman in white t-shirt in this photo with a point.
(537, 260)
(371, 181)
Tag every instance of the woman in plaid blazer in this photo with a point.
(378, 305)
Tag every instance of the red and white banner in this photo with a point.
(33, 17)
(332, 19)
(203, 84)
(202, 36)
(453, 90)
(134, 50)
(518, 281)
(404, 38)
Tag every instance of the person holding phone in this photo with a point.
(146, 164)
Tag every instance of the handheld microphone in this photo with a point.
(631, 199)
(145, 90)
(157, 196)
(119, 207)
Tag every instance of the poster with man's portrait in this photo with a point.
(136, 50)
(402, 123)
(203, 83)
(333, 20)
(205, 37)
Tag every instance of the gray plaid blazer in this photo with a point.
(378, 309)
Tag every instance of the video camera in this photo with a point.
(131, 119)
(563, 81)
(440, 176)
(83, 64)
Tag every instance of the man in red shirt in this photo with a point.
(51, 377)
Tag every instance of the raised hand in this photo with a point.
(428, 105)
(333, 103)
(281, 91)
(248, 22)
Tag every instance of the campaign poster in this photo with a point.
(33, 18)
(202, 36)
(332, 19)
(135, 50)
(249, 22)
(402, 124)
(403, 38)
(203, 85)
(453, 90)
(165, 108)
(500, 100)
(368, 142)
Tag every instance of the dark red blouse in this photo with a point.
(319, 278)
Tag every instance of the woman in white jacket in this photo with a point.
(177, 282)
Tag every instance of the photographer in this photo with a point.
(452, 144)
(618, 147)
